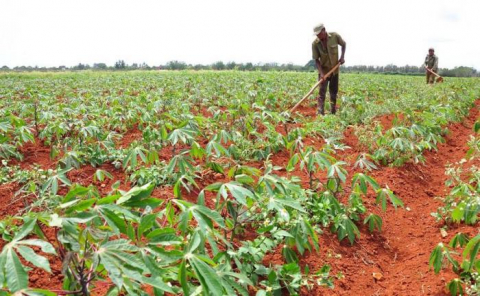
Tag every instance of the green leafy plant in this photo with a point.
(467, 268)
(12, 271)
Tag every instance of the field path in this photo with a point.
(395, 261)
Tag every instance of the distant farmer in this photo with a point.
(431, 62)
(325, 54)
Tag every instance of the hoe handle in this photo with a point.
(432, 72)
(315, 86)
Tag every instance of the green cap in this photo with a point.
(318, 28)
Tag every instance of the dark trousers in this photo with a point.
(332, 83)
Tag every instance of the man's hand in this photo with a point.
(320, 77)
(341, 61)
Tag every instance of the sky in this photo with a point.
(49, 33)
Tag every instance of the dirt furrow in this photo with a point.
(395, 262)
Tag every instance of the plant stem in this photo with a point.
(35, 107)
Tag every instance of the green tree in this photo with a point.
(176, 65)
(218, 66)
(120, 64)
(101, 66)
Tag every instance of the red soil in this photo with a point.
(400, 253)
(35, 153)
(9, 205)
(41, 278)
(349, 137)
(134, 134)
(307, 111)
(388, 120)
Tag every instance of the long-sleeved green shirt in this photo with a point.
(432, 62)
(328, 55)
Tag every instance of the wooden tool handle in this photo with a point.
(432, 71)
(315, 86)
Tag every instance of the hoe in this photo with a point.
(439, 78)
(315, 86)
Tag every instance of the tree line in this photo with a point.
(219, 66)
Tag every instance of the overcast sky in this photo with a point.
(377, 32)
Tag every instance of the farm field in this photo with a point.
(199, 183)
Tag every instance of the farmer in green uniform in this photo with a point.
(325, 54)
(431, 62)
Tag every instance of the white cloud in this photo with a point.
(451, 17)
(67, 32)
